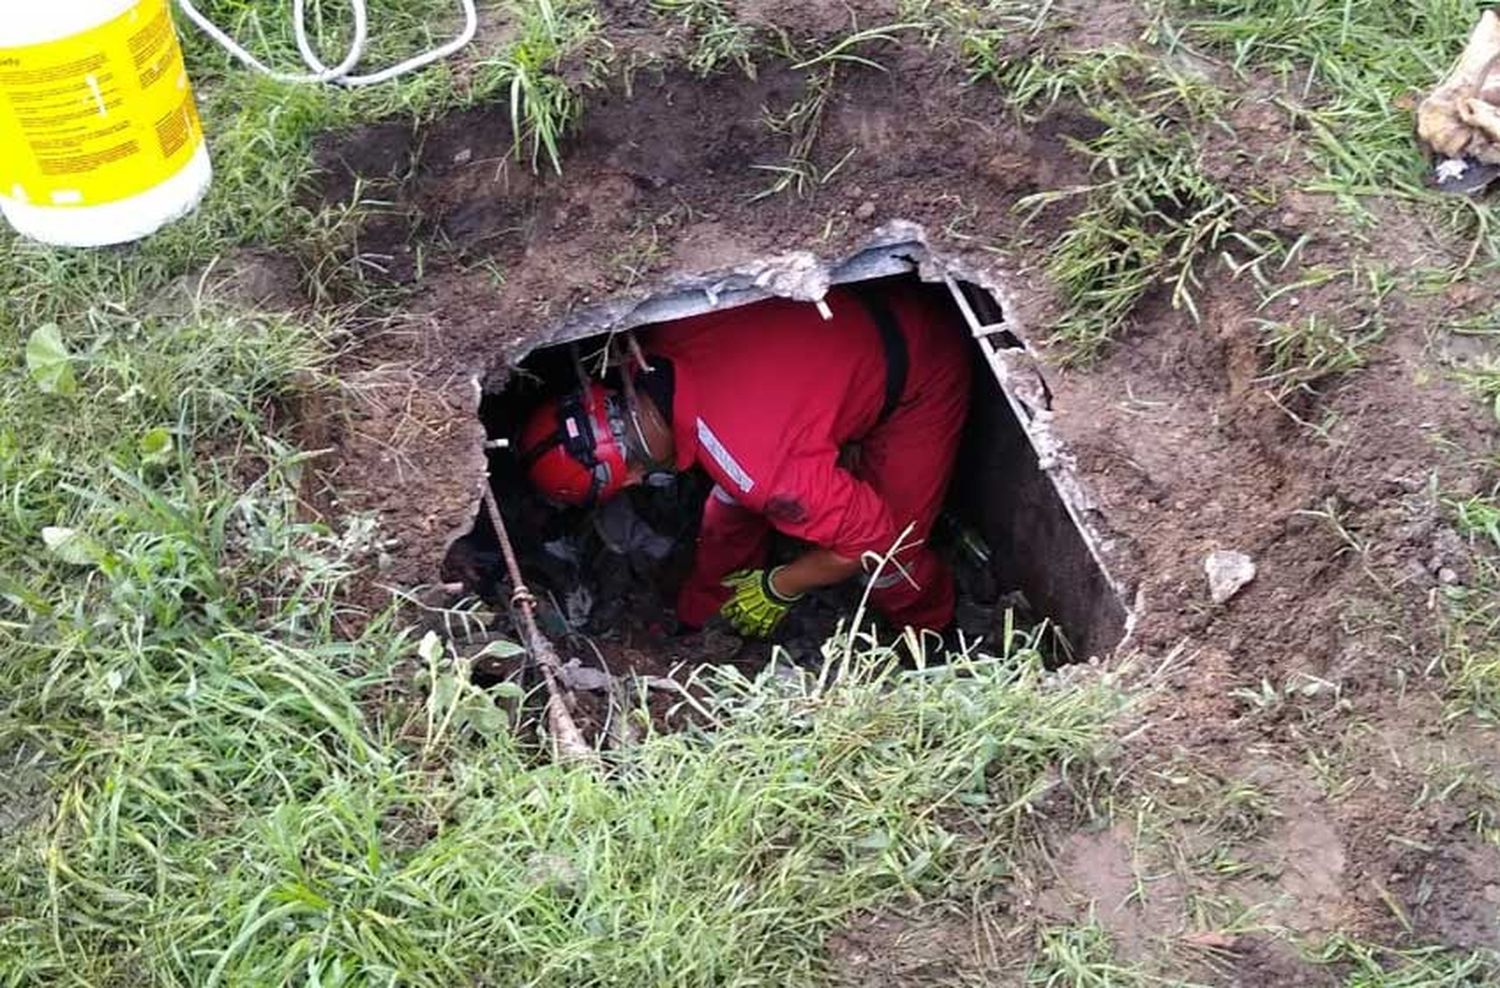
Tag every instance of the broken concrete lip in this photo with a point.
(894, 248)
(1228, 572)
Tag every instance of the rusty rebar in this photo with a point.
(568, 740)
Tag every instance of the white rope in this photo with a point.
(339, 73)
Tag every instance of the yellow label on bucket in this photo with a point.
(100, 116)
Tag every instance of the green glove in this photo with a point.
(756, 608)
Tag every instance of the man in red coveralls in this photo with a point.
(770, 400)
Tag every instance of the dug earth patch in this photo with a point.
(1179, 441)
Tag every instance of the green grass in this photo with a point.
(216, 772)
(1302, 354)
(1471, 659)
(1350, 73)
(1483, 382)
(1194, 826)
(1149, 215)
(1084, 957)
(1371, 966)
(397, 31)
(980, 35)
(720, 39)
(1347, 67)
(544, 99)
(1470, 787)
(801, 123)
(228, 813)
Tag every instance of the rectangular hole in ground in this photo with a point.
(611, 573)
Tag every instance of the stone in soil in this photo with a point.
(1228, 573)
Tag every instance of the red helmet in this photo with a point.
(573, 447)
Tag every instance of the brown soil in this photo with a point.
(1174, 436)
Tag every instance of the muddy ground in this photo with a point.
(1173, 432)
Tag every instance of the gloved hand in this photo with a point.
(756, 609)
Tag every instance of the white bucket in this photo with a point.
(99, 135)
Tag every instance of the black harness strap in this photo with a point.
(897, 359)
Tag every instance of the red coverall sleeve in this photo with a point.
(814, 499)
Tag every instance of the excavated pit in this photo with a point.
(1016, 527)
(662, 200)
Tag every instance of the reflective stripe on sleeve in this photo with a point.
(722, 457)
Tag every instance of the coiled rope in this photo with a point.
(342, 72)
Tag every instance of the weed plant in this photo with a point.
(721, 38)
(1149, 213)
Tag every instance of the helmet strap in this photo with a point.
(640, 434)
(649, 455)
(632, 404)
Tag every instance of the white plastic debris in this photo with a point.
(576, 676)
(579, 604)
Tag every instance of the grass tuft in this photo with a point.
(1471, 657)
(1370, 966)
(534, 70)
(1352, 70)
(1083, 957)
(238, 819)
(1303, 354)
(1150, 213)
(722, 39)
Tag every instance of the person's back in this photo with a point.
(764, 399)
(777, 375)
